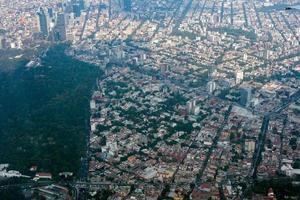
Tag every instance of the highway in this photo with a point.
(85, 21)
(28, 185)
(263, 133)
(210, 151)
(264, 130)
(213, 146)
(259, 145)
(222, 11)
(245, 14)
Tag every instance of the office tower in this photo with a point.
(191, 105)
(245, 57)
(239, 76)
(50, 12)
(245, 96)
(81, 4)
(60, 33)
(127, 5)
(76, 10)
(211, 86)
(298, 31)
(249, 145)
(1, 42)
(43, 25)
(268, 54)
(109, 9)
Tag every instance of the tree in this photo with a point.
(293, 143)
(12, 193)
(103, 194)
(296, 164)
(103, 141)
(231, 136)
(269, 144)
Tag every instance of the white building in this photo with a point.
(92, 104)
(239, 76)
(211, 86)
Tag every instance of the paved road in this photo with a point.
(264, 130)
(85, 21)
(209, 153)
(213, 146)
(245, 14)
(262, 136)
(259, 145)
(31, 184)
(257, 15)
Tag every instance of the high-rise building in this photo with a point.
(249, 145)
(211, 86)
(81, 4)
(50, 12)
(109, 9)
(245, 96)
(191, 105)
(76, 10)
(298, 31)
(239, 76)
(43, 24)
(245, 57)
(60, 32)
(127, 4)
(1, 42)
(268, 54)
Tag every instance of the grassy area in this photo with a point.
(236, 32)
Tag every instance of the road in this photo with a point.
(182, 16)
(257, 15)
(286, 21)
(281, 140)
(276, 28)
(231, 13)
(213, 146)
(222, 11)
(28, 185)
(210, 151)
(262, 136)
(85, 21)
(264, 130)
(245, 14)
(259, 145)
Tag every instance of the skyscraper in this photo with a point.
(43, 25)
(239, 76)
(81, 4)
(127, 5)
(76, 10)
(109, 9)
(245, 97)
(60, 33)
(191, 105)
(50, 12)
(1, 43)
(211, 86)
